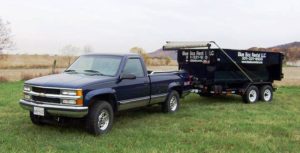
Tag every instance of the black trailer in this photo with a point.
(217, 71)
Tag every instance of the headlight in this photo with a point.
(27, 88)
(69, 92)
(77, 92)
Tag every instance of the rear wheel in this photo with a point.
(37, 120)
(100, 118)
(172, 103)
(266, 93)
(251, 95)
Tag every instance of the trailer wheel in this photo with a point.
(251, 95)
(172, 103)
(100, 118)
(266, 93)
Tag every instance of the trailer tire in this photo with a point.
(100, 118)
(172, 103)
(266, 93)
(251, 95)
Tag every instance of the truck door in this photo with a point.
(133, 92)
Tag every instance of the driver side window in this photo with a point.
(134, 66)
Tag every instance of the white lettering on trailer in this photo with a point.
(197, 56)
(252, 57)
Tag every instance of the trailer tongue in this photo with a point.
(218, 71)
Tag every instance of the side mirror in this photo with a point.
(127, 76)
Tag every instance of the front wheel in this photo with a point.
(172, 103)
(100, 118)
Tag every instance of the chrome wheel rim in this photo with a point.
(252, 96)
(103, 120)
(267, 95)
(173, 103)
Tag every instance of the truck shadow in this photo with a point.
(221, 99)
(69, 125)
(123, 117)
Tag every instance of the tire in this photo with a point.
(172, 103)
(251, 95)
(100, 118)
(37, 120)
(266, 93)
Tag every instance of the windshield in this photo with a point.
(99, 65)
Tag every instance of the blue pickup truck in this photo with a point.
(96, 86)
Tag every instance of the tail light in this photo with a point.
(189, 82)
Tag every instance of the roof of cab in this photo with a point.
(123, 55)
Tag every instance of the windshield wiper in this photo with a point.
(94, 71)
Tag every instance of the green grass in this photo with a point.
(220, 124)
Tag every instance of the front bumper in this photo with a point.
(57, 110)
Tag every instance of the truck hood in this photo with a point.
(65, 80)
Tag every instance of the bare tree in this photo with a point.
(137, 50)
(142, 52)
(5, 36)
(87, 49)
(70, 51)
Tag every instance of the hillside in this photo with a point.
(295, 44)
(290, 50)
(278, 48)
(161, 53)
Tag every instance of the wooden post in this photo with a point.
(54, 66)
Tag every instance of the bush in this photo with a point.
(3, 79)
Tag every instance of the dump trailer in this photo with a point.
(217, 71)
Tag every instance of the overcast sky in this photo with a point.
(45, 26)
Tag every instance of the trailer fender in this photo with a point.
(257, 84)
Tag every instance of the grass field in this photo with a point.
(220, 124)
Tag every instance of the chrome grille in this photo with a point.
(45, 90)
(51, 95)
(46, 99)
